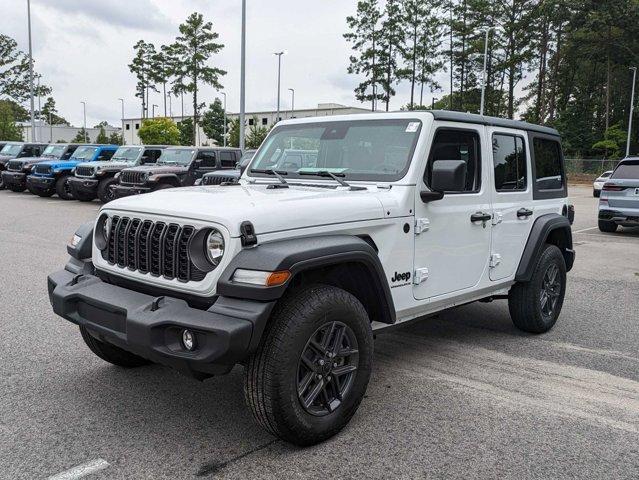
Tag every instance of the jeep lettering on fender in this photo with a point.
(291, 269)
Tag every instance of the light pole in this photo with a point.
(84, 108)
(292, 90)
(483, 76)
(50, 127)
(122, 100)
(279, 77)
(154, 107)
(39, 98)
(632, 109)
(243, 77)
(33, 131)
(224, 93)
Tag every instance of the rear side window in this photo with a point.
(208, 159)
(627, 170)
(227, 159)
(457, 145)
(548, 172)
(509, 160)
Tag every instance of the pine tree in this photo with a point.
(365, 37)
(81, 137)
(190, 54)
(102, 138)
(213, 122)
(392, 40)
(142, 68)
(50, 112)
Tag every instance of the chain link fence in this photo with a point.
(587, 169)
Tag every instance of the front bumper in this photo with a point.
(83, 185)
(120, 191)
(627, 217)
(14, 179)
(151, 327)
(40, 183)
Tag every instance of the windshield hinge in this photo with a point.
(495, 259)
(421, 225)
(421, 275)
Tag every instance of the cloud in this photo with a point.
(137, 14)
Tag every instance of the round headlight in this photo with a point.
(103, 228)
(215, 247)
(145, 176)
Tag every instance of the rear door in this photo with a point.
(513, 207)
(207, 163)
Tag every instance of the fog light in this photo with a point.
(188, 340)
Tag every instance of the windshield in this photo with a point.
(11, 149)
(176, 156)
(54, 151)
(627, 171)
(376, 150)
(126, 154)
(84, 153)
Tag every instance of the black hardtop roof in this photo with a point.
(451, 116)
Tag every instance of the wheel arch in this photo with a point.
(169, 180)
(551, 229)
(343, 261)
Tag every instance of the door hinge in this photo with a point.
(421, 225)
(495, 259)
(421, 275)
(498, 217)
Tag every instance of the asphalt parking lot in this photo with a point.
(462, 395)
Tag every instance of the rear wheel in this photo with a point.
(535, 305)
(105, 193)
(62, 188)
(607, 226)
(111, 353)
(312, 367)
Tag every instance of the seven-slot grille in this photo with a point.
(131, 176)
(218, 180)
(15, 165)
(84, 171)
(42, 169)
(158, 248)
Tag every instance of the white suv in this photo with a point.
(290, 271)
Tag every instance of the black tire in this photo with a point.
(111, 353)
(62, 188)
(607, 226)
(105, 194)
(272, 374)
(17, 188)
(525, 300)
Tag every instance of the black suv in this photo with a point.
(229, 176)
(12, 150)
(177, 167)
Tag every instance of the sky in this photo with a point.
(82, 49)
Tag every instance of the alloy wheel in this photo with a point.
(550, 290)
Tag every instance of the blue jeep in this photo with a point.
(48, 178)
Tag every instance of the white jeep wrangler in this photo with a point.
(290, 271)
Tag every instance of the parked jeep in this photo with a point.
(291, 271)
(15, 178)
(178, 167)
(228, 176)
(95, 179)
(51, 177)
(12, 150)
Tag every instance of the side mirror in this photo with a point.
(144, 160)
(447, 176)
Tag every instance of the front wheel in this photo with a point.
(535, 305)
(607, 226)
(62, 188)
(312, 367)
(105, 192)
(596, 193)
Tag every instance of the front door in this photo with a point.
(453, 249)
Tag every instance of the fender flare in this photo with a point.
(551, 226)
(162, 177)
(303, 254)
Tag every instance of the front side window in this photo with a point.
(367, 150)
(628, 170)
(548, 172)
(126, 154)
(457, 145)
(509, 160)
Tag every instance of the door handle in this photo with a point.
(480, 217)
(524, 212)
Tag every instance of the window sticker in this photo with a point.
(412, 127)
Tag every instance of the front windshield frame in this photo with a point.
(83, 151)
(11, 149)
(264, 150)
(118, 158)
(54, 150)
(167, 153)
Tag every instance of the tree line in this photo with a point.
(562, 63)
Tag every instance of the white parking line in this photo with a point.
(81, 470)
(585, 229)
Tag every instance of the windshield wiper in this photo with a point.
(334, 176)
(276, 173)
